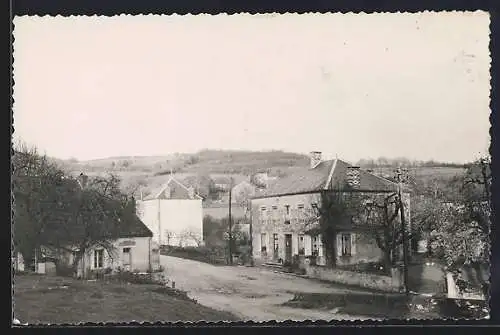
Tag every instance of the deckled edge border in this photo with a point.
(368, 322)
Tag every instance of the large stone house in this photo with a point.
(174, 214)
(281, 214)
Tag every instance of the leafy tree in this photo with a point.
(336, 210)
(39, 191)
(463, 239)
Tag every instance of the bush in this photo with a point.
(64, 270)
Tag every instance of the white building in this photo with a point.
(174, 214)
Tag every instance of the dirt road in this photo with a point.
(250, 293)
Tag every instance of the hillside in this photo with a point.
(150, 172)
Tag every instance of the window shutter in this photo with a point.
(353, 243)
(339, 244)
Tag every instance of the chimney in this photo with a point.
(315, 158)
(353, 176)
(191, 192)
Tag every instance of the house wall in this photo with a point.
(272, 221)
(140, 249)
(168, 219)
(178, 216)
(147, 211)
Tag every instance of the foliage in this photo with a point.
(57, 210)
(335, 211)
(463, 237)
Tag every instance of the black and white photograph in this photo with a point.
(251, 167)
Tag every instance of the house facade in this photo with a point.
(133, 250)
(282, 215)
(174, 214)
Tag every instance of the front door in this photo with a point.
(275, 247)
(127, 259)
(288, 248)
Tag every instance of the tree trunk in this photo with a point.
(387, 260)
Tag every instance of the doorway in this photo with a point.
(288, 248)
(127, 259)
(275, 247)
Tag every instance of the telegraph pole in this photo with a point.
(249, 209)
(401, 175)
(230, 224)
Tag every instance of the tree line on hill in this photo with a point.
(384, 162)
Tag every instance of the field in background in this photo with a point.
(151, 172)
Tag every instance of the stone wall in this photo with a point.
(366, 280)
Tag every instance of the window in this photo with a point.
(314, 205)
(301, 245)
(346, 244)
(275, 208)
(300, 210)
(98, 259)
(287, 209)
(315, 245)
(126, 257)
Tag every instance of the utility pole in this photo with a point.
(401, 175)
(230, 224)
(249, 209)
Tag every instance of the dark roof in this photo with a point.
(333, 173)
(368, 181)
(134, 227)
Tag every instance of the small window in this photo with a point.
(126, 250)
(300, 206)
(314, 205)
(287, 209)
(275, 208)
(346, 244)
(263, 208)
(98, 259)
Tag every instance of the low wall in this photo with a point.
(366, 280)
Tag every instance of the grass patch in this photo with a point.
(41, 300)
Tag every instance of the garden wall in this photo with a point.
(366, 280)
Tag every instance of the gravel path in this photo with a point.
(251, 293)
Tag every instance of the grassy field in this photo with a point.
(56, 300)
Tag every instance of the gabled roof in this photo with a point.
(157, 194)
(326, 175)
(134, 227)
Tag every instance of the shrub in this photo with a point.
(64, 270)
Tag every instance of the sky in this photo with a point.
(350, 85)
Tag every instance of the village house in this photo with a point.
(174, 214)
(132, 250)
(281, 213)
